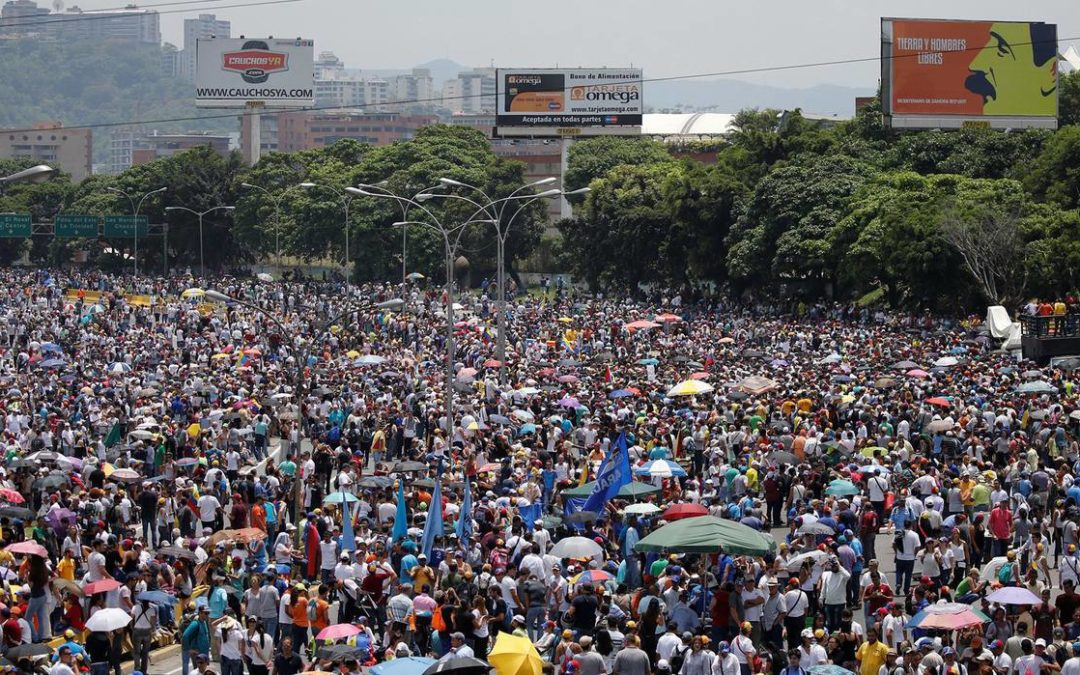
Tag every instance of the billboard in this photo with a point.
(231, 73)
(568, 102)
(940, 73)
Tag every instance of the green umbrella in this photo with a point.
(633, 490)
(707, 534)
(842, 487)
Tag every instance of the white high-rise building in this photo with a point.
(414, 92)
(205, 26)
(471, 93)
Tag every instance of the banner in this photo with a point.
(973, 69)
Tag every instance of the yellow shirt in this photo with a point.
(871, 657)
(66, 568)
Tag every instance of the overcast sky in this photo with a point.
(665, 37)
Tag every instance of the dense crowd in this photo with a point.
(279, 489)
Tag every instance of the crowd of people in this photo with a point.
(278, 492)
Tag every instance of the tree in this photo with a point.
(783, 231)
(625, 235)
(1055, 175)
(592, 158)
(705, 201)
(1069, 98)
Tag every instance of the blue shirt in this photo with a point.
(407, 563)
(217, 602)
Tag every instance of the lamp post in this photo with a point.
(200, 214)
(135, 208)
(298, 376)
(277, 212)
(35, 174)
(495, 208)
(451, 239)
(346, 198)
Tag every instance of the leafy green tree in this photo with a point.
(1069, 98)
(784, 230)
(1055, 176)
(625, 235)
(705, 201)
(592, 158)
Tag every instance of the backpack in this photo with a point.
(312, 610)
(678, 655)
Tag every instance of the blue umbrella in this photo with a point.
(50, 347)
(527, 429)
(157, 597)
(649, 362)
(339, 497)
(407, 665)
(660, 468)
(52, 363)
(620, 393)
(828, 669)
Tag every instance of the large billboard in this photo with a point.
(568, 102)
(231, 73)
(938, 73)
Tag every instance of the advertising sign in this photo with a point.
(123, 227)
(15, 225)
(568, 102)
(235, 72)
(75, 225)
(939, 73)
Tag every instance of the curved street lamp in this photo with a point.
(199, 215)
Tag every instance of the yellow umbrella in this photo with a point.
(352, 354)
(192, 293)
(219, 356)
(565, 319)
(514, 655)
(108, 469)
(690, 388)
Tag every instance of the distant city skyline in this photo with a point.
(676, 38)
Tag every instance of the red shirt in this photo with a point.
(1001, 522)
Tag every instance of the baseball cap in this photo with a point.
(946, 651)
(1040, 642)
(998, 644)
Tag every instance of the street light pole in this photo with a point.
(200, 214)
(494, 208)
(135, 216)
(451, 239)
(346, 198)
(277, 212)
(299, 380)
(35, 174)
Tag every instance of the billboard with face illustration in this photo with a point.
(938, 73)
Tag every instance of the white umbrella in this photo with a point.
(946, 361)
(642, 509)
(796, 563)
(119, 368)
(264, 276)
(108, 619)
(528, 391)
(576, 547)
(141, 434)
(990, 569)
(941, 425)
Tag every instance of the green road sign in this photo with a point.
(123, 227)
(15, 225)
(75, 225)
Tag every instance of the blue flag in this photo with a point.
(401, 527)
(464, 525)
(614, 473)
(348, 539)
(433, 527)
(549, 485)
(530, 513)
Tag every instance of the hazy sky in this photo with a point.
(665, 37)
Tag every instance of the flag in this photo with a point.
(401, 527)
(348, 539)
(584, 471)
(614, 473)
(530, 513)
(464, 525)
(433, 527)
(114, 436)
(607, 375)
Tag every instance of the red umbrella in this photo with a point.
(700, 375)
(102, 586)
(680, 511)
(12, 496)
(29, 548)
(667, 317)
(939, 401)
(493, 363)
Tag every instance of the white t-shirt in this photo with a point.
(208, 506)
